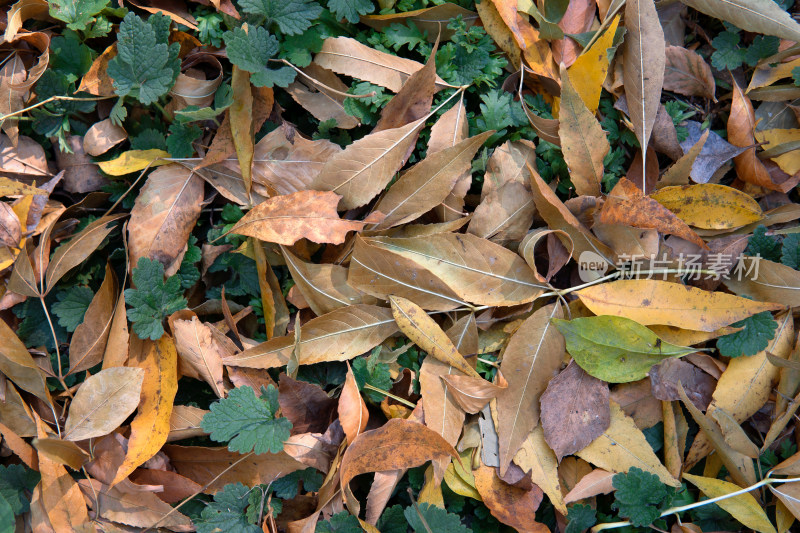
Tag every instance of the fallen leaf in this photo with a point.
(349, 57)
(590, 69)
(425, 333)
(592, 484)
(364, 168)
(511, 505)
(413, 100)
(307, 406)
(150, 426)
(200, 352)
(353, 414)
(574, 410)
(337, 336)
(622, 446)
(643, 67)
(17, 364)
(743, 507)
(751, 15)
(615, 349)
(91, 336)
(103, 402)
(583, 141)
(471, 393)
(672, 304)
(531, 359)
(134, 161)
(687, 73)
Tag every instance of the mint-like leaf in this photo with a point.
(437, 519)
(251, 51)
(247, 421)
(350, 9)
(146, 65)
(758, 330)
(227, 512)
(580, 518)
(763, 245)
(180, 139)
(76, 13)
(640, 496)
(16, 481)
(153, 299)
(291, 16)
(341, 522)
(790, 253)
(72, 305)
(727, 53)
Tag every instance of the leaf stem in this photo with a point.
(390, 395)
(53, 99)
(676, 510)
(320, 84)
(618, 274)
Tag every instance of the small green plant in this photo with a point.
(152, 300)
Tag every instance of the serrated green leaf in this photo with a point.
(291, 16)
(758, 330)
(790, 253)
(251, 51)
(640, 496)
(580, 518)
(436, 518)
(763, 245)
(16, 481)
(615, 349)
(152, 299)
(180, 139)
(762, 47)
(341, 522)
(288, 486)
(72, 305)
(76, 13)
(227, 512)
(146, 65)
(350, 9)
(248, 422)
(728, 54)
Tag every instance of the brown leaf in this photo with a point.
(583, 141)
(200, 352)
(78, 248)
(164, 215)
(741, 125)
(306, 405)
(428, 183)
(477, 270)
(442, 413)
(96, 81)
(241, 121)
(184, 422)
(413, 100)
(471, 393)
(60, 495)
(103, 402)
(397, 444)
(324, 104)
(324, 286)
(379, 272)
(176, 487)
(687, 73)
(81, 175)
(626, 204)
(337, 336)
(287, 219)
(665, 378)
(557, 216)
(91, 336)
(592, 484)
(506, 209)
(643, 67)
(202, 465)
(116, 349)
(353, 414)
(364, 168)
(575, 410)
(62, 452)
(511, 505)
(531, 359)
(17, 364)
(349, 57)
(637, 401)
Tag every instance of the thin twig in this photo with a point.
(53, 99)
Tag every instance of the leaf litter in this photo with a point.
(399, 266)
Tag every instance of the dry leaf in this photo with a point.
(353, 414)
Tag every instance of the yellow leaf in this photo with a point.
(134, 161)
(790, 161)
(425, 333)
(589, 71)
(537, 457)
(623, 446)
(9, 187)
(710, 205)
(743, 507)
(150, 427)
(650, 301)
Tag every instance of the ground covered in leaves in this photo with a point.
(405, 265)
